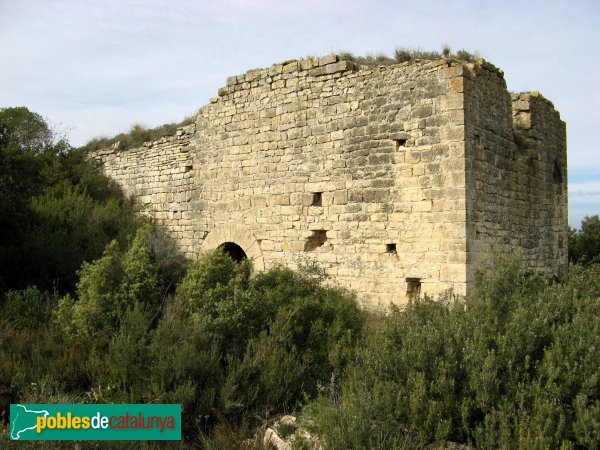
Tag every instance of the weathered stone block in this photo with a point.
(339, 67)
(329, 59)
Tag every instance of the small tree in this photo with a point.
(584, 244)
(112, 284)
(24, 129)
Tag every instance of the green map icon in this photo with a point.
(23, 419)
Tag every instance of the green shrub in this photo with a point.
(214, 290)
(186, 367)
(71, 228)
(38, 363)
(301, 334)
(123, 369)
(321, 323)
(56, 209)
(110, 285)
(98, 306)
(513, 365)
(170, 262)
(279, 334)
(271, 377)
(27, 309)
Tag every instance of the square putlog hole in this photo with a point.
(400, 143)
(317, 199)
(413, 287)
(390, 248)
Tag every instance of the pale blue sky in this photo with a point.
(97, 67)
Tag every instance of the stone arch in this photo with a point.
(236, 234)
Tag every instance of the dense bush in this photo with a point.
(280, 333)
(512, 366)
(187, 368)
(28, 309)
(111, 285)
(228, 346)
(56, 210)
(306, 335)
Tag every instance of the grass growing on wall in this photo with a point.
(137, 135)
(403, 54)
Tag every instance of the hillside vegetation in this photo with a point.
(137, 135)
(97, 306)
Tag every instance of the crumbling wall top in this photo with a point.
(334, 64)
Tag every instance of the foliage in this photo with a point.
(228, 346)
(27, 309)
(124, 366)
(187, 367)
(110, 286)
(512, 366)
(22, 141)
(584, 244)
(56, 210)
(24, 130)
(71, 227)
(281, 333)
(38, 364)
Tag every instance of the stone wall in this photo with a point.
(516, 170)
(393, 179)
(159, 176)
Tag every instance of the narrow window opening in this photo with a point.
(400, 143)
(315, 240)
(317, 199)
(188, 168)
(413, 287)
(390, 248)
(557, 173)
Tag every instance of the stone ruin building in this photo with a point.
(395, 179)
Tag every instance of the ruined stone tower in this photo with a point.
(396, 179)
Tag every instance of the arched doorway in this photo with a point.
(234, 251)
(239, 236)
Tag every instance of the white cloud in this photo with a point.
(585, 190)
(584, 200)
